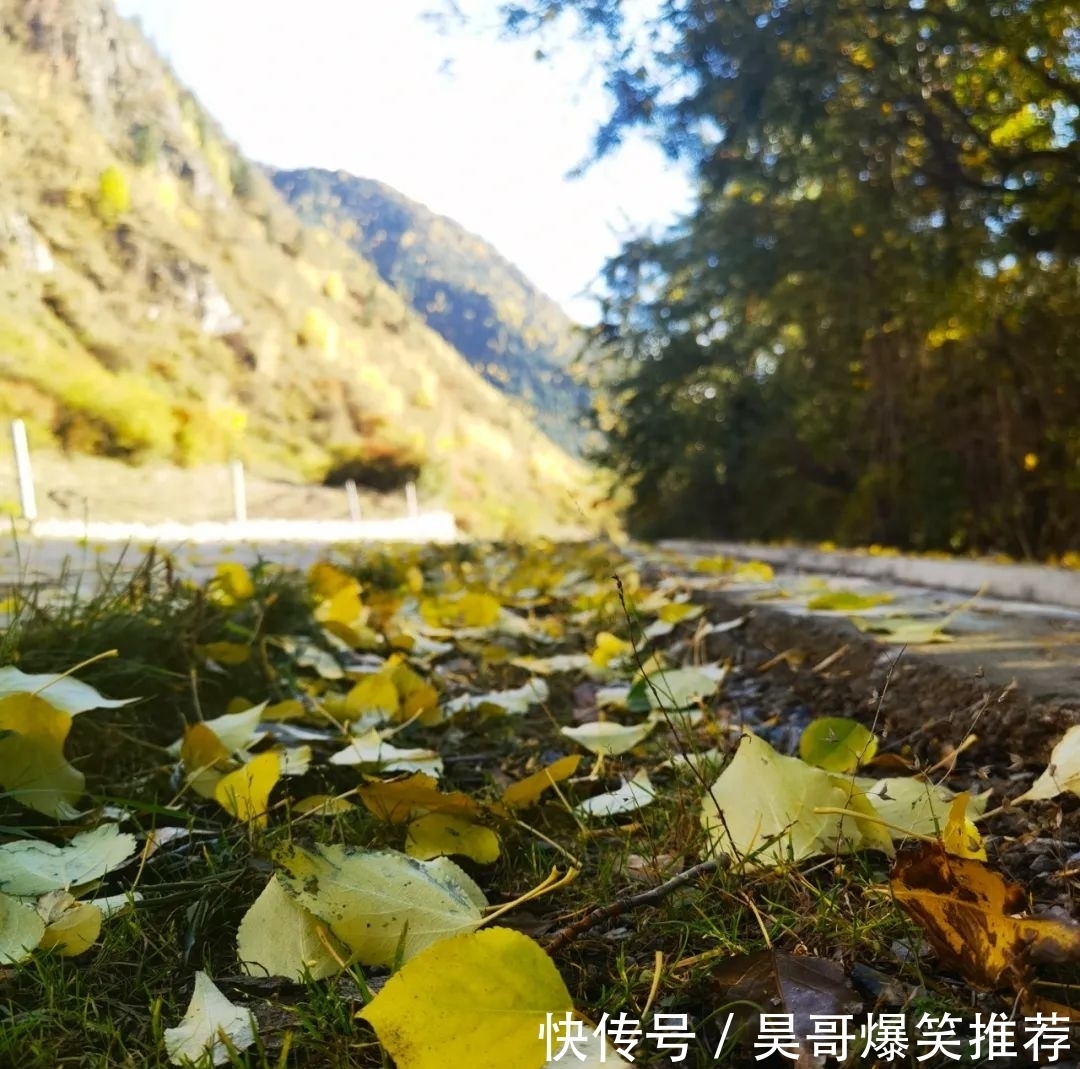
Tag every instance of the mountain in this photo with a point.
(520, 340)
(161, 303)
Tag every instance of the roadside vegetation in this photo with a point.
(558, 779)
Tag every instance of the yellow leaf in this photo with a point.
(418, 697)
(21, 929)
(373, 694)
(32, 766)
(471, 609)
(961, 838)
(245, 793)
(72, 928)
(289, 709)
(323, 805)
(973, 918)
(226, 653)
(201, 748)
(382, 903)
(527, 792)
(485, 996)
(610, 648)
(440, 834)
(278, 937)
(231, 584)
(397, 801)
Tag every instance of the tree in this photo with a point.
(860, 331)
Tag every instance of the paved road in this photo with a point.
(1034, 642)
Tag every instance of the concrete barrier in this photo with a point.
(1038, 583)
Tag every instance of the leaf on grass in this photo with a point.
(245, 793)
(235, 731)
(778, 982)
(372, 749)
(473, 609)
(556, 665)
(513, 702)
(608, 738)
(211, 1026)
(1062, 773)
(231, 585)
(485, 997)
(35, 718)
(399, 800)
(972, 917)
(527, 792)
(610, 650)
(375, 693)
(279, 937)
(669, 615)
(766, 802)
(72, 927)
(202, 749)
(442, 834)
(33, 867)
(629, 798)
(228, 654)
(376, 901)
(21, 929)
(60, 691)
(913, 806)
(681, 688)
(837, 744)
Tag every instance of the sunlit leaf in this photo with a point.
(371, 748)
(607, 737)
(72, 927)
(527, 792)
(245, 793)
(398, 801)
(764, 809)
(376, 901)
(21, 929)
(629, 798)
(443, 834)
(1062, 773)
(485, 997)
(837, 744)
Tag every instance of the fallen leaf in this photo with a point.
(210, 1019)
(512, 702)
(485, 998)
(837, 744)
(629, 798)
(279, 937)
(245, 793)
(906, 630)
(72, 927)
(608, 738)
(763, 809)
(442, 834)
(376, 901)
(399, 800)
(31, 867)
(800, 985)
(21, 929)
(527, 792)
(914, 807)
(973, 918)
(1063, 771)
(846, 601)
(371, 748)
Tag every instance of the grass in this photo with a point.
(110, 1007)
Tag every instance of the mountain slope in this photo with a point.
(160, 302)
(518, 338)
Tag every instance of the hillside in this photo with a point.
(160, 303)
(520, 340)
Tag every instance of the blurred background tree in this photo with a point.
(867, 328)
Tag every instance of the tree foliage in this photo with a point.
(867, 327)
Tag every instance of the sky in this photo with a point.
(470, 125)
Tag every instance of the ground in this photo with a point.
(623, 938)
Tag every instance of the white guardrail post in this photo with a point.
(239, 491)
(412, 510)
(23, 471)
(354, 501)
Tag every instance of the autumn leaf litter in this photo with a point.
(465, 755)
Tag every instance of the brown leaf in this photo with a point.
(973, 918)
(798, 984)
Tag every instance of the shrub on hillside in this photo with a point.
(379, 465)
(114, 194)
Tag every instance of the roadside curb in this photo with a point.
(1037, 583)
